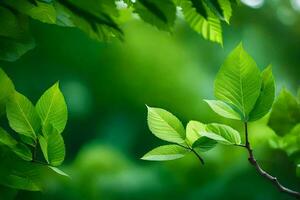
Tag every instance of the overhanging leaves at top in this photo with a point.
(101, 19)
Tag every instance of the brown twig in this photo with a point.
(263, 173)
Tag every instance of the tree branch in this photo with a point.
(263, 173)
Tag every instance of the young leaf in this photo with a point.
(266, 97)
(193, 130)
(238, 82)
(52, 145)
(7, 89)
(204, 144)
(159, 13)
(19, 149)
(52, 108)
(22, 116)
(285, 113)
(223, 109)
(165, 125)
(166, 152)
(222, 134)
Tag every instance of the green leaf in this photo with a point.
(165, 125)
(7, 89)
(222, 133)
(238, 82)
(166, 152)
(15, 39)
(22, 116)
(285, 113)
(209, 28)
(266, 97)
(43, 12)
(193, 130)
(52, 145)
(223, 109)
(19, 149)
(159, 13)
(52, 108)
(204, 144)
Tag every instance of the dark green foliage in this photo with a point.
(34, 126)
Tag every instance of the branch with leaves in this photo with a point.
(102, 19)
(30, 155)
(243, 93)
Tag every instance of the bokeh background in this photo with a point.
(106, 86)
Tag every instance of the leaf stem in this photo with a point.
(263, 173)
(198, 156)
(195, 152)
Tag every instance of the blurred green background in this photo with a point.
(106, 86)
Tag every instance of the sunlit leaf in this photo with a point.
(52, 108)
(238, 81)
(193, 130)
(166, 152)
(22, 116)
(223, 109)
(222, 133)
(266, 97)
(165, 125)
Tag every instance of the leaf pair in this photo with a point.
(242, 91)
(46, 120)
(41, 124)
(197, 136)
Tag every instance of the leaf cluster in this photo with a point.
(34, 129)
(243, 93)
